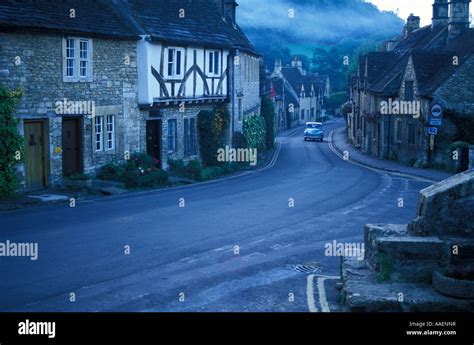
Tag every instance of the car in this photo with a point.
(314, 131)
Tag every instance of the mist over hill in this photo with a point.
(338, 27)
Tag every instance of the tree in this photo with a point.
(11, 142)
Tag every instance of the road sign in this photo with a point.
(435, 122)
(432, 130)
(436, 110)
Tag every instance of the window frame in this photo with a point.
(77, 59)
(173, 136)
(109, 132)
(213, 69)
(399, 130)
(411, 131)
(174, 63)
(190, 137)
(99, 135)
(409, 97)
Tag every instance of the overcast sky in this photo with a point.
(421, 8)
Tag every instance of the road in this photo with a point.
(250, 243)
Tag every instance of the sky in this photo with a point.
(421, 8)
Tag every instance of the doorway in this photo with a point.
(153, 138)
(35, 155)
(72, 146)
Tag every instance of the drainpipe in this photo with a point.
(233, 98)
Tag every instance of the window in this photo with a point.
(239, 106)
(175, 63)
(172, 135)
(104, 138)
(110, 140)
(70, 57)
(411, 134)
(99, 132)
(213, 65)
(409, 91)
(83, 57)
(190, 148)
(399, 130)
(77, 59)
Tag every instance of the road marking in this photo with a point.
(321, 292)
(310, 295)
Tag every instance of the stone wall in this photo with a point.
(34, 61)
(246, 87)
(446, 208)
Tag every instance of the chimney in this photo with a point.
(440, 14)
(413, 23)
(277, 69)
(298, 64)
(458, 17)
(230, 8)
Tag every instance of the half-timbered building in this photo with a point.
(192, 56)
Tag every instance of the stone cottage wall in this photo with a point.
(34, 62)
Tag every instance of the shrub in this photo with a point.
(11, 142)
(133, 179)
(194, 169)
(79, 177)
(255, 133)
(112, 172)
(177, 166)
(268, 114)
(212, 127)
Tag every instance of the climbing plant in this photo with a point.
(11, 142)
(268, 113)
(254, 131)
(212, 127)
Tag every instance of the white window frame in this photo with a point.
(77, 59)
(211, 68)
(99, 134)
(173, 63)
(109, 137)
(173, 135)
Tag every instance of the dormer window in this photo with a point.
(213, 65)
(409, 90)
(174, 63)
(77, 57)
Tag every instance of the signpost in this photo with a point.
(436, 122)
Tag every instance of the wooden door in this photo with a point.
(35, 159)
(72, 146)
(153, 139)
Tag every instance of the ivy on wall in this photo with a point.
(11, 142)
(254, 131)
(212, 127)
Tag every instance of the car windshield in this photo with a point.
(314, 126)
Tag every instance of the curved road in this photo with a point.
(250, 243)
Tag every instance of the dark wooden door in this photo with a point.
(153, 139)
(72, 146)
(464, 160)
(35, 160)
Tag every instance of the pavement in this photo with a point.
(258, 241)
(339, 141)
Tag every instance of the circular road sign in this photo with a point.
(436, 110)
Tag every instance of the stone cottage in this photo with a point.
(76, 63)
(103, 79)
(427, 68)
